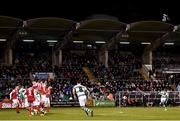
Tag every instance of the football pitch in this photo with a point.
(100, 113)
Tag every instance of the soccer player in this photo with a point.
(26, 103)
(164, 99)
(22, 92)
(81, 92)
(37, 101)
(31, 99)
(42, 90)
(47, 101)
(14, 97)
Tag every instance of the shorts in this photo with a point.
(163, 100)
(47, 102)
(15, 102)
(26, 104)
(82, 101)
(43, 98)
(36, 103)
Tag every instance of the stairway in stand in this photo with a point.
(89, 73)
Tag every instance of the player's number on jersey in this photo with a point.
(80, 89)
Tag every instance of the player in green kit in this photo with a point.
(82, 93)
(22, 92)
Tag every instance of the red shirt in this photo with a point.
(43, 90)
(30, 95)
(48, 92)
(14, 94)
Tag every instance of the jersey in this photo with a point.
(22, 93)
(80, 90)
(37, 95)
(164, 94)
(48, 92)
(30, 95)
(43, 89)
(14, 94)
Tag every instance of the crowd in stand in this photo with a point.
(166, 59)
(80, 58)
(163, 62)
(119, 69)
(122, 74)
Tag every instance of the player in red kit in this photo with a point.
(14, 97)
(43, 94)
(30, 96)
(47, 100)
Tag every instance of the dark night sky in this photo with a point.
(126, 11)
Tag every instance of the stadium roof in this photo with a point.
(48, 28)
(8, 25)
(98, 29)
(65, 30)
(148, 31)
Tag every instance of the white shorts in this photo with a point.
(163, 100)
(15, 102)
(36, 103)
(43, 98)
(47, 102)
(26, 104)
(82, 101)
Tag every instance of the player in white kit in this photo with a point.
(81, 92)
(164, 99)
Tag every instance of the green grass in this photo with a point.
(131, 113)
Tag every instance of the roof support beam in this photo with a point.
(67, 38)
(111, 42)
(158, 42)
(13, 36)
(147, 54)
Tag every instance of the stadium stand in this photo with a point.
(104, 67)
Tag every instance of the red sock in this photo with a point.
(47, 109)
(30, 110)
(17, 108)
